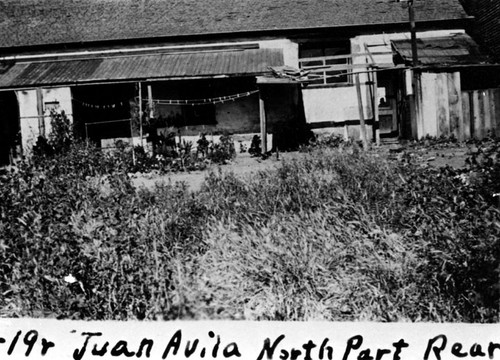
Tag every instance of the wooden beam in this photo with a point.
(443, 105)
(150, 101)
(475, 115)
(487, 112)
(140, 115)
(336, 67)
(428, 105)
(496, 97)
(481, 124)
(455, 104)
(372, 78)
(263, 123)
(361, 113)
(345, 56)
(465, 133)
(375, 109)
(41, 116)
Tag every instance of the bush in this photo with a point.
(60, 137)
(222, 152)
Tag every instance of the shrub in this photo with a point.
(59, 139)
(222, 152)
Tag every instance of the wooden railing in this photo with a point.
(337, 69)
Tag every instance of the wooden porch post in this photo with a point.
(361, 113)
(372, 79)
(375, 108)
(140, 114)
(263, 123)
(414, 100)
(41, 115)
(150, 101)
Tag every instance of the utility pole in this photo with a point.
(414, 101)
(414, 51)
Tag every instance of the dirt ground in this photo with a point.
(245, 165)
(242, 165)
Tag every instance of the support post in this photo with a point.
(414, 101)
(150, 101)
(372, 78)
(41, 115)
(361, 113)
(133, 152)
(375, 111)
(140, 115)
(263, 123)
(413, 32)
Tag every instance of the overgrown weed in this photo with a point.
(336, 235)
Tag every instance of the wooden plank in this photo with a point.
(150, 101)
(361, 113)
(487, 113)
(455, 103)
(39, 108)
(336, 67)
(263, 124)
(443, 114)
(412, 82)
(140, 111)
(497, 110)
(343, 56)
(492, 110)
(370, 55)
(429, 105)
(480, 128)
(376, 125)
(466, 117)
(475, 114)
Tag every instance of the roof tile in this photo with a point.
(39, 22)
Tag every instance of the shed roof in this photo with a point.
(41, 22)
(456, 49)
(246, 62)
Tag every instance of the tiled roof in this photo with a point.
(139, 67)
(40, 22)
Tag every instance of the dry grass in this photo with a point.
(332, 235)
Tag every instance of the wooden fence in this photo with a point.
(481, 113)
(444, 109)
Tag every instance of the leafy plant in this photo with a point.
(223, 151)
(60, 137)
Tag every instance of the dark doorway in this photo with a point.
(387, 100)
(10, 137)
(103, 111)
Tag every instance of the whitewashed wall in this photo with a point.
(28, 112)
(334, 104)
(339, 104)
(290, 50)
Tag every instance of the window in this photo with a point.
(52, 105)
(328, 63)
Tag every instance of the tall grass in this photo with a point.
(334, 235)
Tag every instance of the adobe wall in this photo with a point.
(30, 120)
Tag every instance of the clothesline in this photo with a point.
(101, 106)
(205, 101)
(192, 102)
